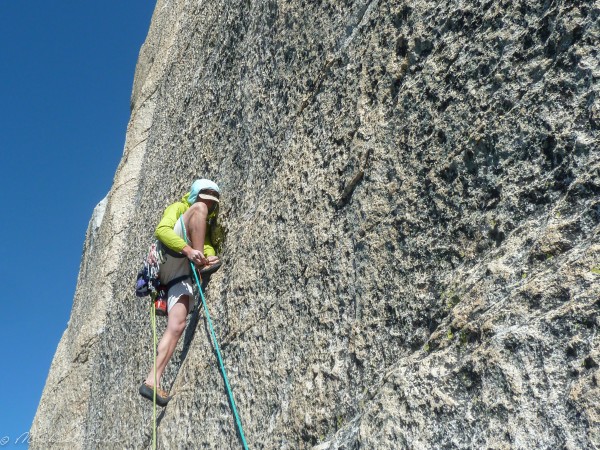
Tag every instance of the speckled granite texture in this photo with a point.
(411, 209)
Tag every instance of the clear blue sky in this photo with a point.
(66, 73)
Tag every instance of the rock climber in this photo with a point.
(197, 207)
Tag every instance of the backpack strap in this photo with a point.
(183, 228)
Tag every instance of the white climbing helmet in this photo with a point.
(201, 185)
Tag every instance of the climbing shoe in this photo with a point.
(209, 269)
(162, 398)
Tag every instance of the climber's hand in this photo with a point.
(195, 256)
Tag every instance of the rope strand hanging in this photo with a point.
(217, 351)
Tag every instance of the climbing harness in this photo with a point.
(148, 281)
(218, 352)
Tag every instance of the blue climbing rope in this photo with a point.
(214, 337)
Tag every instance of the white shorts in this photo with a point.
(182, 288)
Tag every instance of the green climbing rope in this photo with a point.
(153, 320)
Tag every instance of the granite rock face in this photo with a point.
(411, 209)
